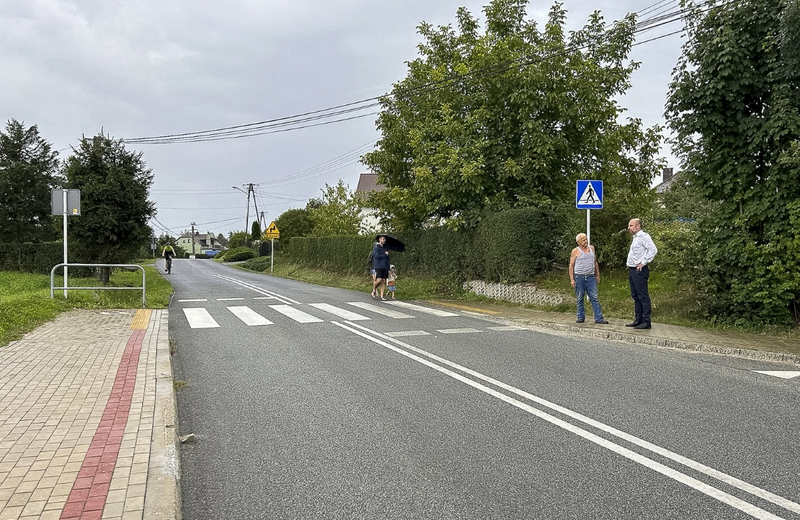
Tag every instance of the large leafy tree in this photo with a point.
(734, 105)
(28, 173)
(115, 209)
(336, 213)
(511, 118)
(294, 222)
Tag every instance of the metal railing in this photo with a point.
(65, 289)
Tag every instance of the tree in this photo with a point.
(511, 118)
(28, 174)
(294, 223)
(735, 110)
(336, 213)
(255, 231)
(114, 186)
(222, 240)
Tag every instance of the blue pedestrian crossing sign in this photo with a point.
(589, 194)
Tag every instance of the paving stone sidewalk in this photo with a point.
(88, 425)
(87, 419)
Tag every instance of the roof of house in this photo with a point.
(368, 182)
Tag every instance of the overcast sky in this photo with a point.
(149, 68)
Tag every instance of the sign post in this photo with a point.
(272, 233)
(589, 196)
(65, 202)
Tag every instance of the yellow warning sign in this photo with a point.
(272, 231)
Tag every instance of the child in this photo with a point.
(390, 284)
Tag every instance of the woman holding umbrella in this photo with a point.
(380, 262)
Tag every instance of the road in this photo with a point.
(316, 402)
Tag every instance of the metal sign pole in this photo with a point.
(64, 197)
(588, 226)
(272, 255)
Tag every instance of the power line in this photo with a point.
(335, 114)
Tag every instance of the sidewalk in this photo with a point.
(88, 418)
(767, 348)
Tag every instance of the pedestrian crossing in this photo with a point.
(201, 318)
(259, 314)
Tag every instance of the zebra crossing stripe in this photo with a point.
(380, 309)
(249, 316)
(295, 314)
(342, 313)
(420, 308)
(199, 318)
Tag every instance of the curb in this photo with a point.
(759, 355)
(163, 496)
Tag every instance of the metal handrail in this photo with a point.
(53, 288)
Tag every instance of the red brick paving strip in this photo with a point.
(88, 496)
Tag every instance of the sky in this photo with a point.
(147, 68)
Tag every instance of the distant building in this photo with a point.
(200, 243)
(368, 184)
(667, 176)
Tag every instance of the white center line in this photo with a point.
(625, 452)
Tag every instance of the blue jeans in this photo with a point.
(587, 285)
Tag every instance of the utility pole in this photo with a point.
(250, 189)
(192, 238)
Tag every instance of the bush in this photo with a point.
(259, 264)
(239, 255)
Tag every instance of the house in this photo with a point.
(368, 184)
(667, 177)
(200, 243)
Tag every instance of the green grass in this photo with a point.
(408, 288)
(25, 301)
(674, 302)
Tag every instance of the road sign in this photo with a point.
(272, 231)
(589, 194)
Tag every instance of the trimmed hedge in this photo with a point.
(510, 247)
(31, 258)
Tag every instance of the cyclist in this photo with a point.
(168, 254)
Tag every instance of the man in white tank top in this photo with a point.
(584, 274)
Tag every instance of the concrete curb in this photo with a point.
(760, 355)
(163, 496)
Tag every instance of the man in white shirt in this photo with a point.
(642, 252)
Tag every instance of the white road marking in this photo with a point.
(402, 333)
(195, 300)
(336, 311)
(420, 308)
(229, 299)
(249, 316)
(381, 309)
(199, 318)
(506, 327)
(656, 466)
(295, 314)
(258, 289)
(458, 331)
(783, 374)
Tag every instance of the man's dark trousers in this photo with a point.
(641, 298)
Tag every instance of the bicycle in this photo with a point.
(169, 264)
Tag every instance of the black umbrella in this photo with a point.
(392, 243)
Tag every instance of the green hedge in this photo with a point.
(31, 258)
(511, 246)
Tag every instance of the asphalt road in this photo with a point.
(324, 414)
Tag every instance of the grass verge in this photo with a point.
(25, 301)
(674, 302)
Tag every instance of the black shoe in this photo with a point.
(633, 324)
(579, 321)
(642, 325)
(602, 322)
